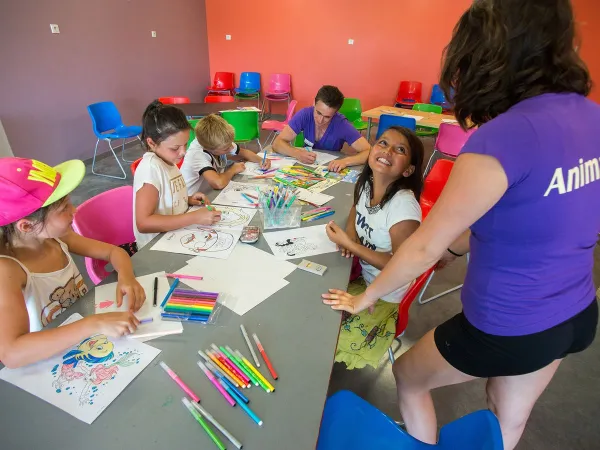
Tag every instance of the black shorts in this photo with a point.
(483, 355)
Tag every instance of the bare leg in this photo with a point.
(419, 370)
(512, 399)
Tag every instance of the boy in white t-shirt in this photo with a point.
(210, 158)
(161, 198)
(386, 212)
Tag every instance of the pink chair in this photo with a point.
(450, 141)
(280, 90)
(275, 126)
(107, 217)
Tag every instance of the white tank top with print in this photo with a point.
(49, 294)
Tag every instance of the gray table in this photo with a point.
(195, 110)
(298, 331)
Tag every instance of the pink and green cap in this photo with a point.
(27, 185)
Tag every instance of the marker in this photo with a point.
(146, 320)
(230, 364)
(226, 369)
(245, 407)
(217, 370)
(213, 380)
(238, 363)
(319, 216)
(264, 158)
(217, 425)
(171, 289)
(201, 421)
(247, 198)
(181, 384)
(250, 347)
(255, 370)
(155, 290)
(184, 317)
(265, 357)
(184, 277)
(236, 390)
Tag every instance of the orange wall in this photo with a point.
(587, 13)
(393, 40)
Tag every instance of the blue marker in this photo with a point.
(321, 216)
(171, 289)
(240, 402)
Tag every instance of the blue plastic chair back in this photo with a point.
(371, 429)
(249, 81)
(105, 117)
(437, 95)
(388, 120)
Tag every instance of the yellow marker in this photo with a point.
(255, 371)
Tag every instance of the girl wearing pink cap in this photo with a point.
(40, 279)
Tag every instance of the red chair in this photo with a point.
(409, 93)
(137, 162)
(432, 188)
(219, 99)
(173, 100)
(222, 84)
(275, 126)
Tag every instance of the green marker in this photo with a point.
(201, 421)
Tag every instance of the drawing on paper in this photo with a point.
(293, 246)
(206, 240)
(233, 217)
(83, 371)
(232, 194)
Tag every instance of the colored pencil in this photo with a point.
(217, 425)
(213, 380)
(210, 364)
(249, 344)
(204, 425)
(171, 289)
(179, 382)
(155, 290)
(245, 407)
(265, 357)
(184, 277)
(255, 370)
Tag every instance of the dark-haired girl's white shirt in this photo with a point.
(373, 226)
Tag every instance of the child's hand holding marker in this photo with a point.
(265, 163)
(340, 238)
(206, 216)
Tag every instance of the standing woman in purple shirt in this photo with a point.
(527, 186)
(325, 129)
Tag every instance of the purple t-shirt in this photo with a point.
(338, 131)
(532, 253)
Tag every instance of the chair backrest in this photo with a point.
(371, 429)
(451, 139)
(437, 95)
(250, 81)
(107, 217)
(245, 124)
(193, 123)
(223, 80)
(290, 110)
(280, 83)
(351, 109)
(409, 92)
(219, 99)
(299, 140)
(137, 162)
(105, 117)
(173, 100)
(388, 120)
(434, 183)
(409, 298)
(426, 107)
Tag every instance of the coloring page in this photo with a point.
(84, 380)
(199, 240)
(231, 195)
(232, 218)
(299, 242)
(322, 185)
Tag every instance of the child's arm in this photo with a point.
(249, 155)
(351, 232)
(147, 221)
(118, 258)
(220, 180)
(19, 347)
(398, 233)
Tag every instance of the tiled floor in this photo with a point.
(565, 416)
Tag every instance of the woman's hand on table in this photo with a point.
(337, 165)
(342, 301)
(127, 285)
(306, 157)
(340, 238)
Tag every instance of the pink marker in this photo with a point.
(181, 384)
(184, 277)
(214, 381)
(229, 364)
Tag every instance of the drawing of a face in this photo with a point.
(231, 217)
(98, 346)
(200, 241)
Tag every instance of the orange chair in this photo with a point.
(173, 100)
(432, 188)
(409, 93)
(137, 162)
(219, 99)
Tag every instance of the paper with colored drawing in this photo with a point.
(253, 169)
(299, 242)
(199, 240)
(322, 185)
(231, 195)
(232, 218)
(106, 301)
(85, 379)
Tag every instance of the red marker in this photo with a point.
(261, 349)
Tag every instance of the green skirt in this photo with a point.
(364, 338)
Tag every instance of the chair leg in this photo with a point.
(425, 287)
(259, 144)
(116, 158)
(391, 355)
(433, 158)
(441, 294)
(122, 151)
(268, 139)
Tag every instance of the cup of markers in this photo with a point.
(277, 207)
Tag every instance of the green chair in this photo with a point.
(192, 123)
(245, 124)
(299, 140)
(426, 107)
(352, 110)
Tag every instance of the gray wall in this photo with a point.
(104, 52)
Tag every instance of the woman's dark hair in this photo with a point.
(505, 51)
(161, 121)
(413, 182)
(331, 96)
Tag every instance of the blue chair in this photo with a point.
(388, 120)
(108, 125)
(438, 97)
(350, 423)
(249, 87)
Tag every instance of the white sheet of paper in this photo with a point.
(86, 379)
(417, 118)
(315, 198)
(199, 240)
(253, 169)
(105, 301)
(231, 195)
(449, 121)
(299, 242)
(322, 185)
(322, 159)
(232, 218)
